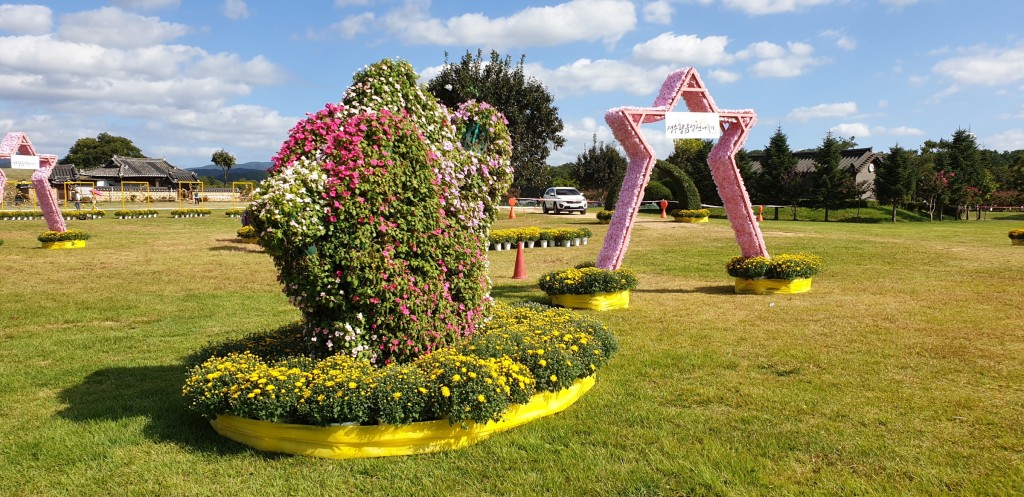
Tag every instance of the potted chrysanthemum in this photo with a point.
(1017, 236)
(63, 239)
(784, 273)
(589, 287)
(247, 234)
(691, 215)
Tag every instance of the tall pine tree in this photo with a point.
(895, 179)
(833, 185)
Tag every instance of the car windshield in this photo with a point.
(566, 191)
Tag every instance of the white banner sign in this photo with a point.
(703, 125)
(24, 162)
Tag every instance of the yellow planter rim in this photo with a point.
(352, 442)
(594, 301)
(767, 287)
(691, 219)
(64, 244)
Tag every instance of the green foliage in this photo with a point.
(683, 189)
(522, 349)
(27, 215)
(691, 157)
(223, 160)
(88, 153)
(599, 168)
(586, 280)
(833, 185)
(246, 232)
(895, 178)
(533, 121)
(123, 213)
(234, 212)
(83, 215)
(63, 236)
(779, 267)
(657, 191)
(190, 212)
(778, 182)
(605, 215)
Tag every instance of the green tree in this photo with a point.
(961, 157)
(778, 182)
(88, 153)
(691, 156)
(682, 187)
(532, 117)
(598, 168)
(896, 178)
(225, 161)
(833, 185)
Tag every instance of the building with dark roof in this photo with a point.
(156, 172)
(860, 162)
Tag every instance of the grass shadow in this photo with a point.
(518, 293)
(152, 392)
(710, 290)
(241, 247)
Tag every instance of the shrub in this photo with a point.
(1017, 234)
(63, 236)
(690, 213)
(604, 215)
(780, 267)
(587, 280)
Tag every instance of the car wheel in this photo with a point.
(544, 207)
(557, 210)
(583, 212)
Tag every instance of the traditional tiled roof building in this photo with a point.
(156, 172)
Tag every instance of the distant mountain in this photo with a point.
(248, 171)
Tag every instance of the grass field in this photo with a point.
(900, 373)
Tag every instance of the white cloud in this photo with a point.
(843, 41)
(586, 75)
(26, 19)
(346, 3)
(984, 66)
(352, 26)
(146, 4)
(1011, 139)
(761, 7)
(883, 103)
(659, 12)
(113, 27)
(236, 9)
(578, 136)
(804, 114)
(684, 49)
(576, 20)
(898, 4)
(723, 76)
(861, 130)
(952, 90)
(775, 61)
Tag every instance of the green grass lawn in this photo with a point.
(900, 373)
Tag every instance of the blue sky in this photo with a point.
(184, 78)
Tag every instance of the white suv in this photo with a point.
(561, 198)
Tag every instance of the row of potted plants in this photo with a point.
(135, 213)
(234, 212)
(524, 349)
(177, 213)
(783, 273)
(531, 237)
(20, 215)
(83, 215)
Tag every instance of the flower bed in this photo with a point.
(21, 215)
(83, 215)
(63, 239)
(234, 212)
(524, 349)
(177, 213)
(589, 287)
(510, 238)
(1017, 236)
(690, 215)
(135, 213)
(784, 273)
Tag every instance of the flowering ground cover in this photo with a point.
(900, 374)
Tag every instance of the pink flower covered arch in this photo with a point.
(16, 143)
(625, 124)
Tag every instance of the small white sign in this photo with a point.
(703, 125)
(24, 162)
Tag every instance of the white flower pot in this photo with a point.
(506, 245)
(529, 243)
(543, 243)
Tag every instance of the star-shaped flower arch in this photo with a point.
(17, 143)
(625, 124)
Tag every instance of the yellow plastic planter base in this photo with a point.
(593, 301)
(1017, 241)
(692, 219)
(352, 442)
(66, 244)
(767, 287)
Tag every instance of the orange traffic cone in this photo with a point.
(519, 273)
(664, 205)
(512, 207)
(760, 212)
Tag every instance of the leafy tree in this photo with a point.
(895, 178)
(657, 191)
(532, 117)
(691, 156)
(961, 156)
(561, 176)
(779, 182)
(223, 160)
(833, 185)
(598, 167)
(88, 153)
(682, 187)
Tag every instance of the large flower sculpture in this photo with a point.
(377, 211)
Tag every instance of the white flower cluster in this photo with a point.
(291, 202)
